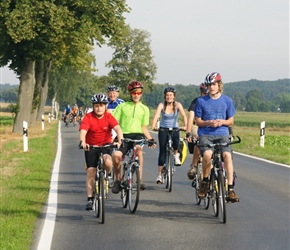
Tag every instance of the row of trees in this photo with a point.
(38, 37)
(253, 99)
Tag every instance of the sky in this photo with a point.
(241, 40)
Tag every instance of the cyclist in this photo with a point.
(133, 117)
(66, 112)
(169, 110)
(74, 113)
(192, 133)
(95, 129)
(81, 114)
(214, 114)
(114, 101)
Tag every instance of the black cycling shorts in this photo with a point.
(92, 156)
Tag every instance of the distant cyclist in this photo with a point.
(192, 133)
(169, 110)
(74, 113)
(95, 130)
(66, 112)
(114, 101)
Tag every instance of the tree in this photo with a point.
(132, 60)
(34, 32)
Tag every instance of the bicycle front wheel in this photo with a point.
(222, 198)
(101, 200)
(169, 173)
(214, 193)
(134, 189)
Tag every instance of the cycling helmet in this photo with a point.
(203, 88)
(99, 98)
(113, 88)
(169, 89)
(134, 85)
(212, 78)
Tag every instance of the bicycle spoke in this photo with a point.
(134, 189)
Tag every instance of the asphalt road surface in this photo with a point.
(167, 220)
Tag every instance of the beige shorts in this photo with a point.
(194, 129)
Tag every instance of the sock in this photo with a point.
(231, 187)
(90, 198)
(205, 179)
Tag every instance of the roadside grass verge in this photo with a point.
(24, 185)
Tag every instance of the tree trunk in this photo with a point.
(25, 96)
(37, 91)
(44, 90)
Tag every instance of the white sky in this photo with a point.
(242, 40)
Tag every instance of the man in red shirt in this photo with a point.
(95, 130)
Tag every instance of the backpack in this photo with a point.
(182, 151)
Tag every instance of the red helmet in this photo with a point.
(203, 88)
(212, 78)
(134, 85)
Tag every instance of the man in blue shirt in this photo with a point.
(114, 101)
(214, 114)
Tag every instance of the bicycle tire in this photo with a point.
(222, 198)
(134, 189)
(101, 200)
(96, 198)
(169, 174)
(215, 195)
(124, 185)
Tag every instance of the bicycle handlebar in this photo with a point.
(212, 145)
(171, 129)
(143, 141)
(99, 147)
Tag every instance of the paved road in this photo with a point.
(171, 220)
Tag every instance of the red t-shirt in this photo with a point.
(98, 130)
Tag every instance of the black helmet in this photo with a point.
(113, 88)
(169, 89)
(99, 98)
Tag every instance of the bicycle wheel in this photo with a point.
(214, 194)
(134, 189)
(96, 198)
(101, 200)
(124, 186)
(169, 173)
(222, 198)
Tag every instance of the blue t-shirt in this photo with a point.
(113, 105)
(207, 108)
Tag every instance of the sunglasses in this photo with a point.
(136, 93)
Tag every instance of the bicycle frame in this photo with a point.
(168, 168)
(218, 179)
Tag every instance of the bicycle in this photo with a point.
(68, 119)
(168, 169)
(130, 180)
(101, 190)
(218, 191)
(197, 180)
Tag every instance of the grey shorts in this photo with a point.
(208, 139)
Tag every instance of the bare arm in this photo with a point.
(182, 113)
(119, 133)
(157, 115)
(83, 138)
(190, 121)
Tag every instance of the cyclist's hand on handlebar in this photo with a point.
(151, 143)
(84, 145)
(154, 128)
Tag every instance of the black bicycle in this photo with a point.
(218, 191)
(130, 181)
(101, 189)
(168, 169)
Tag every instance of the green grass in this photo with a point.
(24, 187)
